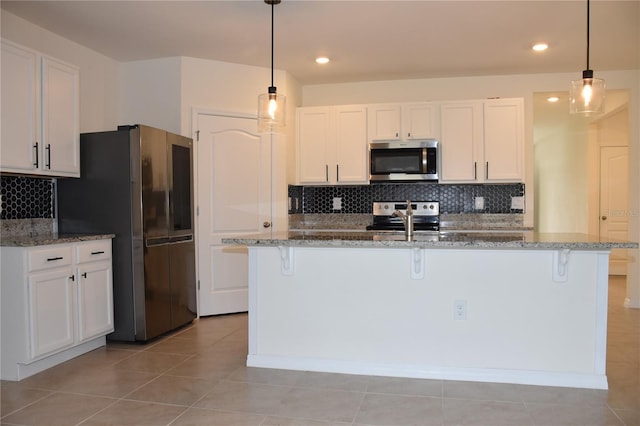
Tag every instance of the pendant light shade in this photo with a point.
(271, 105)
(587, 94)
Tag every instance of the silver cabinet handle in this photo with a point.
(475, 170)
(326, 172)
(337, 173)
(266, 224)
(486, 173)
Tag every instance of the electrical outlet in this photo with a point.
(460, 310)
(337, 203)
(478, 203)
(517, 203)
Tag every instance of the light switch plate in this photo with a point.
(517, 203)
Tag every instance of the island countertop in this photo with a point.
(443, 239)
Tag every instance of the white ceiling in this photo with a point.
(366, 40)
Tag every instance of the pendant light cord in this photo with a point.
(272, 6)
(588, 15)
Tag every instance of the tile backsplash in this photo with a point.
(26, 197)
(359, 198)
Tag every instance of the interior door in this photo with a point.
(234, 198)
(614, 223)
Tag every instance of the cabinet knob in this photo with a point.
(266, 224)
(84, 275)
(604, 218)
(72, 277)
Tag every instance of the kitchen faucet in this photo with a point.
(407, 219)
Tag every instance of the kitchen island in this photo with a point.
(511, 307)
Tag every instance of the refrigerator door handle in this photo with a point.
(151, 242)
(181, 238)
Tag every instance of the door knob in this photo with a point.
(604, 218)
(266, 224)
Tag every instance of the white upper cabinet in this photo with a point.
(40, 114)
(504, 140)
(351, 145)
(420, 121)
(405, 121)
(332, 145)
(384, 122)
(460, 141)
(482, 141)
(313, 137)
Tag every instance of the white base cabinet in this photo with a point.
(57, 303)
(40, 114)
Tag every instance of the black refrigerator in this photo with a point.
(137, 183)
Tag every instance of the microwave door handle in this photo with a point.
(424, 160)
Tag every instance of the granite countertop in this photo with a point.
(448, 221)
(47, 239)
(471, 240)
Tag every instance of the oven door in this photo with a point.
(390, 162)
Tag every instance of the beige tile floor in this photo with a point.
(197, 376)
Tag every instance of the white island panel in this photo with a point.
(359, 310)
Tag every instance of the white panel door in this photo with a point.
(614, 184)
(233, 184)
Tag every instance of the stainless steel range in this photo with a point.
(426, 216)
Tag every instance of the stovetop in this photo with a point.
(426, 216)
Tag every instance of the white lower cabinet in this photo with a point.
(57, 303)
(51, 312)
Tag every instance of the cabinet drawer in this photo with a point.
(51, 257)
(93, 251)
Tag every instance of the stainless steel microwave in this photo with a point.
(403, 161)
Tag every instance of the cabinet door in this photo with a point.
(95, 300)
(51, 311)
(20, 105)
(461, 142)
(351, 145)
(314, 139)
(420, 121)
(503, 140)
(384, 122)
(60, 118)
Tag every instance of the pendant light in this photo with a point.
(587, 94)
(271, 105)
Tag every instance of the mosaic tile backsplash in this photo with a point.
(359, 198)
(26, 197)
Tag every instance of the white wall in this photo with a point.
(150, 93)
(99, 79)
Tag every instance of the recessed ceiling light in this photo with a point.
(322, 60)
(539, 47)
(553, 99)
